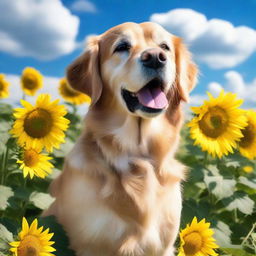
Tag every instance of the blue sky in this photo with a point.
(97, 16)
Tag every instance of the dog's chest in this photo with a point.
(164, 216)
(103, 223)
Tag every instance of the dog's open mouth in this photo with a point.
(151, 98)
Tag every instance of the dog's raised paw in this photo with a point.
(130, 247)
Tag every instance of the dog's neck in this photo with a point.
(121, 136)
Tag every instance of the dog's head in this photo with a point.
(142, 65)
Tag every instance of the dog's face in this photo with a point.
(139, 66)
(142, 64)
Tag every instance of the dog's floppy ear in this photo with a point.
(84, 73)
(186, 70)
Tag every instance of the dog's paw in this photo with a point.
(130, 247)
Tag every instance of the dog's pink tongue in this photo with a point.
(152, 98)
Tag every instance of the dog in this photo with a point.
(120, 191)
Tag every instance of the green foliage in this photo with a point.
(24, 197)
(59, 235)
(5, 237)
(222, 193)
(6, 193)
(216, 189)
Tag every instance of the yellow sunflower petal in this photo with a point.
(38, 124)
(25, 226)
(14, 244)
(4, 87)
(196, 239)
(71, 95)
(218, 124)
(33, 226)
(247, 145)
(35, 164)
(32, 241)
(31, 81)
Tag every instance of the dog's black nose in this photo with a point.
(153, 58)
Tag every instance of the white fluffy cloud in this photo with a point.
(50, 86)
(215, 42)
(40, 29)
(214, 88)
(235, 83)
(83, 6)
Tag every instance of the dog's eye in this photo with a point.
(165, 47)
(124, 46)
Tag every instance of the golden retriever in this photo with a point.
(119, 193)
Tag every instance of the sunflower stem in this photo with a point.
(205, 158)
(24, 203)
(6, 160)
(25, 182)
(218, 161)
(13, 171)
(74, 109)
(249, 234)
(4, 164)
(235, 215)
(2, 169)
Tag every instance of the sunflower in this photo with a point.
(40, 126)
(35, 163)
(31, 81)
(71, 95)
(248, 169)
(247, 145)
(4, 93)
(196, 240)
(32, 241)
(217, 124)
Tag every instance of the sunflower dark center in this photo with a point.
(29, 82)
(1, 85)
(214, 122)
(29, 246)
(68, 91)
(249, 136)
(38, 123)
(30, 158)
(193, 243)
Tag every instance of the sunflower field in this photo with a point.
(218, 146)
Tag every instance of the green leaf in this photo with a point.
(233, 164)
(248, 183)
(241, 202)
(222, 234)
(236, 252)
(219, 186)
(22, 193)
(5, 110)
(4, 134)
(5, 194)
(41, 200)
(5, 237)
(191, 208)
(11, 142)
(12, 225)
(61, 240)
